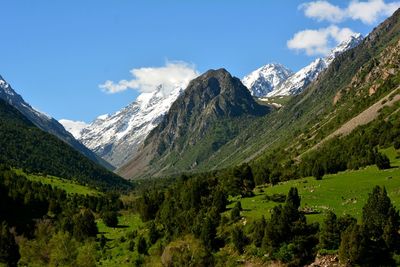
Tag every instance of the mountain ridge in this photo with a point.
(24, 145)
(273, 80)
(45, 122)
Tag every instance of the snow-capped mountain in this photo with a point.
(265, 79)
(296, 83)
(293, 83)
(44, 122)
(74, 127)
(117, 137)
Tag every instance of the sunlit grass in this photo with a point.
(343, 193)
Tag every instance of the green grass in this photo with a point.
(116, 252)
(343, 193)
(69, 186)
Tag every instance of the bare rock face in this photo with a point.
(326, 261)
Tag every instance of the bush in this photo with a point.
(110, 218)
(235, 214)
(382, 161)
(186, 252)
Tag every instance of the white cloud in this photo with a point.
(368, 12)
(323, 10)
(371, 11)
(148, 79)
(319, 42)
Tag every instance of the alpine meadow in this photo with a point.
(296, 163)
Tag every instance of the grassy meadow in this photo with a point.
(69, 186)
(343, 193)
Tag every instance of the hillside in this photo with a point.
(213, 109)
(45, 122)
(23, 145)
(354, 81)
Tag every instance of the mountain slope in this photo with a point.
(354, 81)
(23, 145)
(117, 137)
(45, 122)
(265, 79)
(210, 112)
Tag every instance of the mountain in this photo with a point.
(117, 137)
(45, 122)
(265, 79)
(23, 145)
(276, 80)
(211, 111)
(74, 127)
(355, 81)
(297, 82)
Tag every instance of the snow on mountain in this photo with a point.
(276, 80)
(74, 127)
(296, 83)
(117, 137)
(265, 79)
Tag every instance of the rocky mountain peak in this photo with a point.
(265, 79)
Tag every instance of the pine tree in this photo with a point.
(142, 245)
(9, 251)
(238, 239)
(382, 161)
(329, 237)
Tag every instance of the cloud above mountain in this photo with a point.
(149, 78)
(368, 12)
(320, 41)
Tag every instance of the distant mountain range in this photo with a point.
(277, 80)
(45, 122)
(117, 137)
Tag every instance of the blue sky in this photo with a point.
(57, 53)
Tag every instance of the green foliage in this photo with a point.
(187, 251)
(374, 241)
(317, 171)
(153, 233)
(208, 233)
(9, 253)
(238, 239)
(142, 245)
(287, 235)
(22, 201)
(235, 214)
(382, 161)
(84, 225)
(329, 237)
(110, 218)
(25, 146)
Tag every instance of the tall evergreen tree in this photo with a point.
(9, 251)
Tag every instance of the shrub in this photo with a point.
(110, 218)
